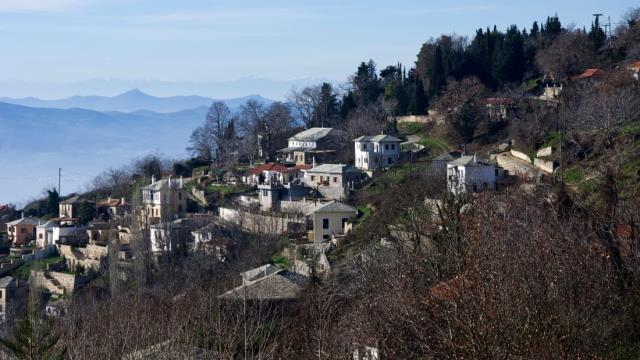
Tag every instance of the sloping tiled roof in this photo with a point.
(6, 281)
(589, 73)
(164, 183)
(377, 138)
(267, 167)
(25, 221)
(334, 207)
(281, 285)
(467, 161)
(72, 200)
(332, 169)
(635, 66)
(110, 202)
(312, 134)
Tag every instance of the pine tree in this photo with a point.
(597, 35)
(33, 337)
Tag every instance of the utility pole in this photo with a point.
(59, 177)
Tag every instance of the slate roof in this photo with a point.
(334, 207)
(6, 281)
(164, 184)
(467, 161)
(72, 200)
(279, 285)
(449, 156)
(332, 169)
(25, 221)
(312, 134)
(377, 138)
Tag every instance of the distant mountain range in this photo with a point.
(130, 101)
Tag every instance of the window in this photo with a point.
(179, 196)
(179, 208)
(313, 178)
(496, 172)
(364, 147)
(265, 193)
(23, 230)
(325, 223)
(393, 146)
(325, 237)
(335, 179)
(389, 161)
(386, 146)
(344, 222)
(40, 236)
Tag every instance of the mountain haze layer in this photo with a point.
(132, 100)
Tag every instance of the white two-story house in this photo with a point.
(164, 200)
(376, 152)
(468, 173)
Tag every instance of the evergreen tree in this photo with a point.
(86, 212)
(33, 337)
(597, 35)
(509, 62)
(535, 30)
(52, 205)
(418, 101)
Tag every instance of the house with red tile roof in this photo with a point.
(590, 74)
(635, 69)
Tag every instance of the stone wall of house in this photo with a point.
(544, 165)
(89, 257)
(58, 282)
(261, 224)
(332, 192)
(521, 155)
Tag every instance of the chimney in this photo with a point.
(475, 158)
(314, 161)
(109, 200)
(22, 215)
(122, 202)
(153, 179)
(181, 181)
(170, 182)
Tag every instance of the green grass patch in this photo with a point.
(410, 128)
(228, 189)
(434, 144)
(552, 139)
(365, 214)
(631, 129)
(574, 175)
(280, 260)
(24, 271)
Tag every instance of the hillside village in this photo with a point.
(339, 232)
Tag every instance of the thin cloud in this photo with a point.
(37, 5)
(447, 10)
(246, 14)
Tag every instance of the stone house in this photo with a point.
(267, 283)
(164, 200)
(376, 152)
(333, 181)
(468, 173)
(329, 219)
(68, 208)
(175, 235)
(439, 163)
(314, 144)
(22, 231)
(113, 208)
(101, 233)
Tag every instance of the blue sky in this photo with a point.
(195, 40)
